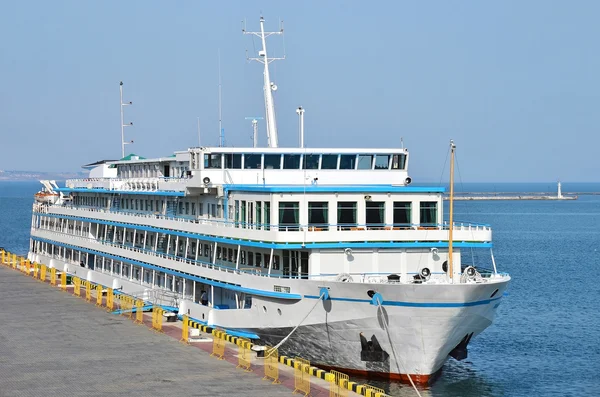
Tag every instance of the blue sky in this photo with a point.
(514, 83)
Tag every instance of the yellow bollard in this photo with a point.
(139, 311)
(36, 270)
(338, 386)
(88, 290)
(14, 261)
(2, 255)
(185, 330)
(218, 345)
(63, 280)
(53, 276)
(98, 295)
(43, 269)
(371, 391)
(272, 365)
(301, 376)
(109, 299)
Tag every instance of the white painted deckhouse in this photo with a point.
(259, 241)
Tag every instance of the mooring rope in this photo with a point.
(387, 330)
(295, 328)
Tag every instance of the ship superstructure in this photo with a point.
(259, 241)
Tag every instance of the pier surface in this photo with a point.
(54, 344)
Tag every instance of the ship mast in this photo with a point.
(123, 125)
(451, 205)
(269, 86)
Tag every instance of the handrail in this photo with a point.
(313, 227)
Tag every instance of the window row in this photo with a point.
(306, 161)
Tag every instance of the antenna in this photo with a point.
(269, 86)
(300, 112)
(123, 143)
(254, 129)
(199, 144)
(221, 131)
(402, 142)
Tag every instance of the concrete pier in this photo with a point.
(55, 344)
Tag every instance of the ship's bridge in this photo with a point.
(299, 166)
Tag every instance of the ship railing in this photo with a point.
(313, 227)
(163, 255)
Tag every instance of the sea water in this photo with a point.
(545, 340)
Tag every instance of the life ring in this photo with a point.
(344, 278)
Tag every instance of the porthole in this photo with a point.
(279, 311)
(264, 309)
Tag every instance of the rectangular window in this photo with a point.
(218, 252)
(318, 214)
(346, 213)
(347, 161)
(193, 208)
(212, 161)
(267, 216)
(233, 160)
(382, 161)
(291, 161)
(242, 257)
(258, 214)
(252, 161)
(310, 162)
(187, 208)
(250, 258)
(237, 212)
(258, 259)
(243, 219)
(207, 250)
(375, 214)
(230, 254)
(365, 161)
(428, 213)
(398, 161)
(267, 258)
(329, 161)
(276, 262)
(272, 161)
(402, 214)
(288, 215)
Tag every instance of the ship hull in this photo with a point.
(417, 341)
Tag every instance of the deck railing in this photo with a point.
(313, 227)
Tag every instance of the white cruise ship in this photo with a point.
(331, 251)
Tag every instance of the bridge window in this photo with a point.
(402, 213)
(288, 215)
(346, 213)
(429, 213)
(375, 214)
(347, 161)
(365, 161)
(318, 213)
(252, 161)
(382, 161)
(329, 161)
(398, 161)
(311, 162)
(233, 161)
(272, 161)
(212, 161)
(291, 161)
